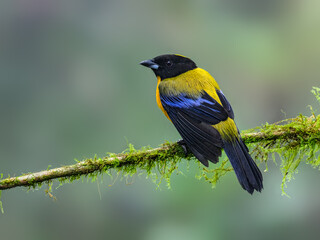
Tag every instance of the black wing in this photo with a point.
(225, 104)
(193, 118)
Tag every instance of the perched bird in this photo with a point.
(193, 101)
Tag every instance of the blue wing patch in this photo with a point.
(183, 101)
(203, 108)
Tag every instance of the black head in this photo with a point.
(169, 65)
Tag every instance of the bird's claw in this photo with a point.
(184, 146)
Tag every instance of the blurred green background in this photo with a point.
(71, 87)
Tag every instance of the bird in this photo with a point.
(193, 101)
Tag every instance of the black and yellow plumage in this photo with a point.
(193, 101)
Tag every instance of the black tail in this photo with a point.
(248, 174)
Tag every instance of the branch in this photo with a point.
(90, 165)
(298, 136)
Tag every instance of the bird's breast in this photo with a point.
(159, 100)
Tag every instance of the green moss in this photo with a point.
(213, 175)
(1, 207)
(293, 140)
(156, 164)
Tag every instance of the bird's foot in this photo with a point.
(184, 146)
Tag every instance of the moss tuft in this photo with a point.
(293, 140)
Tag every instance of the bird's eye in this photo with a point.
(169, 63)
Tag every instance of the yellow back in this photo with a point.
(192, 82)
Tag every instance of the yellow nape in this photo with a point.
(227, 129)
(192, 82)
(181, 56)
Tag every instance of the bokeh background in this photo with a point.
(71, 87)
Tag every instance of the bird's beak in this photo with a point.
(150, 64)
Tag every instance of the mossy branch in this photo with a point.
(129, 161)
(291, 139)
(296, 132)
